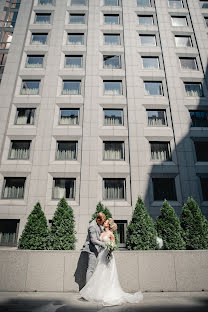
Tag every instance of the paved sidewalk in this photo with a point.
(71, 302)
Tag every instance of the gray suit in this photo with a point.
(92, 246)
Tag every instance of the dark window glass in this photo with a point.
(143, 3)
(183, 41)
(78, 2)
(71, 87)
(77, 18)
(164, 188)
(179, 21)
(157, 118)
(19, 150)
(160, 151)
(73, 61)
(112, 39)
(175, 4)
(111, 19)
(148, 40)
(188, 63)
(201, 149)
(204, 4)
(112, 61)
(204, 186)
(114, 189)
(153, 88)
(112, 87)
(25, 116)
(34, 61)
(150, 62)
(111, 2)
(64, 188)
(206, 21)
(113, 117)
(76, 39)
(193, 89)
(13, 188)
(113, 150)
(8, 232)
(66, 150)
(199, 118)
(43, 18)
(39, 38)
(45, 2)
(145, 19)
(30, 87)
(69, 116)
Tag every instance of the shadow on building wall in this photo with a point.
(187, 179)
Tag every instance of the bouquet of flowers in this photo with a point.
(111, 246)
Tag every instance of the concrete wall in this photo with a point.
(26, 270)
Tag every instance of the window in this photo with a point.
(69, 116)
(160, 151)
(179, 21)
(6, 40)
(164, 188)
(111, 2)
(30, 87)
(66, 150)
(183, 41)
(112, 61)
(39, 38)
(206, 20)
(8, 232)
(144, 3)
(204, 187)
(64, 188)
(19, 150)
(113, 150)
(121, 231)
(111, 19)
(148, 40)
(42, 18)
(153, 88)
(204, 4)
(113, 117)
(193, 89)
(13, 188)
(77, 18)
(199, 118)
(145, 20)
(76, 39)
(25, 116)
(157, 118)
(112, 87)
(201, 148)
(8, 18)
(73, 61)
(71, 87)
(3, 59)
(112, 39)
(150, 62)
(114, 189)
(34, 61)
(188, 63)
(45, 2)
(175, 4)
(78, 2)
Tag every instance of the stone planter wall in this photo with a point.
(64, 271)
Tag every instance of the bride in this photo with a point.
(104, 286)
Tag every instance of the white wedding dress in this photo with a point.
(104, 287)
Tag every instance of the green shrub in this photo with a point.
(141, 233)
(101, 208)
(169, 229)
(62, 231)
(195, 226)
(35, 234)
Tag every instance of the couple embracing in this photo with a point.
(102, 283)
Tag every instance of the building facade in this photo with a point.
(102, 100)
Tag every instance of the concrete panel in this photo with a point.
(13, 270)
(45, 271)
(191, 270)
(156, 271)
(74, 271)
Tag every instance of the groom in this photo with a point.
(93, 244)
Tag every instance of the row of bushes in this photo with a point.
(188, 232)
